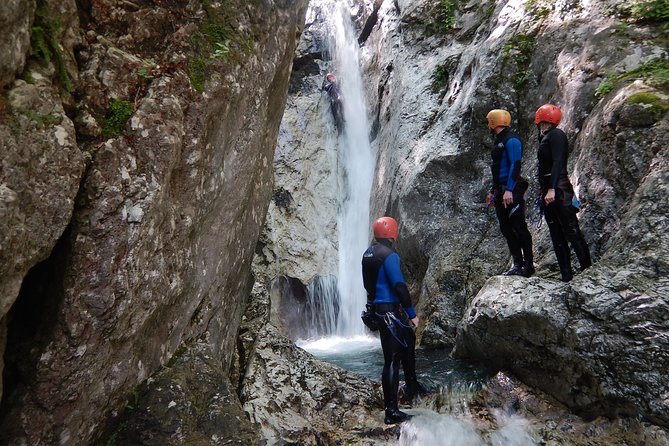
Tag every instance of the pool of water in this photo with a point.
(363, 355)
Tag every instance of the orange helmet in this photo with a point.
(498, 118)
(385, 227)
(330, 77)
(548, 113)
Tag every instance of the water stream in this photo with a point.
(337, 334)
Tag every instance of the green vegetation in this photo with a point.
(118, 114)
(440, 78)
(651, 11)
(540, 8)
(607, 85)
(657, 105)
(214, 40)
(45, 43)
(655, 73)
(40, 120)
(444, 17)
(519, 48)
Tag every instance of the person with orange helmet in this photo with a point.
(389, 298)
(332, 88)
(557, 192)
(508, 194)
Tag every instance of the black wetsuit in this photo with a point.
(560, 215)
(389, 294)
(506, 160)
(332, 90)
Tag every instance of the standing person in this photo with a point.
(332, 88)
(397, 320)
(557, 192)
(508, 192)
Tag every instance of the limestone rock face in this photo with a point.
(16, 18)
(598, 344)
(169, 209)
(190, 401)
(430, 90)
(297, 399)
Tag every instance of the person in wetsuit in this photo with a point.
(389, 296)
(332, 88)
(557, 191)
(508, 192)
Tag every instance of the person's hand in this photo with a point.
(414, 321)
(550, 196)
(507, 198)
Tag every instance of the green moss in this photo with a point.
(657, 105)
(118, 114)
(655, 73)
(444, 19)
(45, 45)
(197, 69)
(606, 86)
(519, 48)
(648, 11)
(28, 77)
(540, 8)
(440, 78)
(40, 120)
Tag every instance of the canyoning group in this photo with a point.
(389, 309)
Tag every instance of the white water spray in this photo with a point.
(356, 165)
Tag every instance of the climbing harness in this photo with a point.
(539, 206)
(392, 322)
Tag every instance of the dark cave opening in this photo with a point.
(31, 321)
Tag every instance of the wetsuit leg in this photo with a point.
(508, 232)
(390, 377)
(559, 240)
(572, 231)
(413, 387)
(519, 228)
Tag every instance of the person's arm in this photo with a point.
(396, 280)
(513, 149)
(559, 152)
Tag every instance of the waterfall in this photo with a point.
(356, 166)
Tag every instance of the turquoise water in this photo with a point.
(363, 355)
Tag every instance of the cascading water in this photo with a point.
(358, 172)
(337, 333)
(355, 167)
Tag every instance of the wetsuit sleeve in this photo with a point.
(514, 151)
(559, 153)
(396, 280)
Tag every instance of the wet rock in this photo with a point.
(190, 401)
(16, 18)
(295, 398)
(168, 212)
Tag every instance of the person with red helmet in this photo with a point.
(389, 298)
(332, 88)
(508, 193)
(557, 192)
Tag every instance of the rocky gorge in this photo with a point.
(170, 191)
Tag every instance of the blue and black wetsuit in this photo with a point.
(506, 156)
(389, 294)
(553, 154)
(332, 90)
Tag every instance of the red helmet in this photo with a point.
(330, 77)
(385, 227)
(548, 113)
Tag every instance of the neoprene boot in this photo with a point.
(516, 269)
(395, 415)
(414, 388)
(582, 253)
(528, 269)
